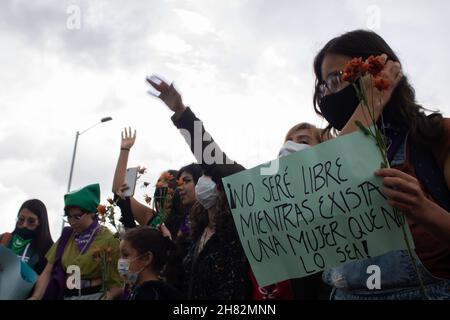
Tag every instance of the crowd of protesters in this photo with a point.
(190, 248)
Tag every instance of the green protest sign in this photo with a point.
(323, 207)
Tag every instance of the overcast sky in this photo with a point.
(244, 66)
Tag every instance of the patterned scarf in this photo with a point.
(82, 239)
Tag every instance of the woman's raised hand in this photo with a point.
(168, 94)
(128, 139)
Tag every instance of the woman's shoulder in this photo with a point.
(106, 235)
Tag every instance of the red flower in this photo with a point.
(101, 209)
(381, 84)
(354, 69)
(375, 65)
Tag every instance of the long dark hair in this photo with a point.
(402, 107)
(194, 169)
(43, 240)
(223, 219)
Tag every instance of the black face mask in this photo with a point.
(25, 233)
(337, 108)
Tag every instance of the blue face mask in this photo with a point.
(123, 267)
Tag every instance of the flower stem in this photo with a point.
(378, 136)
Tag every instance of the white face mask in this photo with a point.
(291, 147)
(205, 191)
(123, 267)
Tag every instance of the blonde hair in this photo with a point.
(319, 134)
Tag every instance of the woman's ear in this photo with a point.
(148, 259)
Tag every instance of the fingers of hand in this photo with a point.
(391, 172)
(402, 185)
(399, 197)
(157, 83)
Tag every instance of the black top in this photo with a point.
(222, 166)
(155, 290)
(310, 287)
(219, 271)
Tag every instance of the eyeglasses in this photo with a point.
(76, 217)
(30, 221)
(333, 83)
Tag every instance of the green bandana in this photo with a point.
(18, 244)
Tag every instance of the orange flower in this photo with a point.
(381, 84)
(375, 65)
(354, 69)
(101, 209)
(166, 176)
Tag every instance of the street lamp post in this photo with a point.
(78, 134)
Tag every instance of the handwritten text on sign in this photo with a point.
(323, 207)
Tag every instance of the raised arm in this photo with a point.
(205, 150)
(125, 146)
(141, 213)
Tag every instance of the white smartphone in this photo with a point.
(130, 180)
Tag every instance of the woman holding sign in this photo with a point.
(298, 137)
(417, 182)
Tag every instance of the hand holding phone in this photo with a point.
(130, 181)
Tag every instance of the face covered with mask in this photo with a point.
(337, 108)
(338, 99)
(131, 264)
(291, 147)
(206, 192)
(27, 224)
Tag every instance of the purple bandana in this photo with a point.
(185, 228)
(82, 239)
